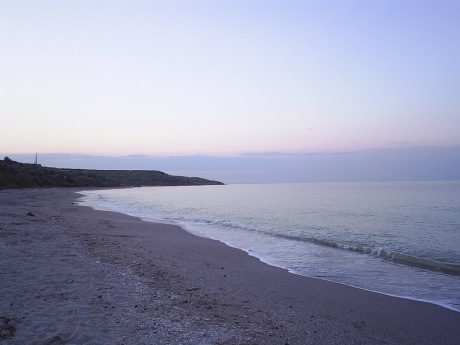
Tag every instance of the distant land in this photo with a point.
(409, 163)
(22, 175)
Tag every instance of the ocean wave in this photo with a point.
(382, 253)
(399, 258)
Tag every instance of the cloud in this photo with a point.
(399, 143)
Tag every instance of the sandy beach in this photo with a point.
(73, 275)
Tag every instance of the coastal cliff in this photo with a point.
(21, 175)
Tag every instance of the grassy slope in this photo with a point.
(20, 175)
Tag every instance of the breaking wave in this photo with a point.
(399, 258)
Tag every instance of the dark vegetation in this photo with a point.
(21, 175)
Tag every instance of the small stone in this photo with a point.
(7, 328)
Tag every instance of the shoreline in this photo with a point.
(79, 275)
(265, 260)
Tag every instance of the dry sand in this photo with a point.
(72, 275)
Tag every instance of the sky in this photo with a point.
(228, 79)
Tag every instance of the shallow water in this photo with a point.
(400, 239)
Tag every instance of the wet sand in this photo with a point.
(73, 275)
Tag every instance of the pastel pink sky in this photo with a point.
(228, 77)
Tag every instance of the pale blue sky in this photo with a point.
(228, 77)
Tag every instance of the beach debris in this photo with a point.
(56, 340)
(30, 214)
(193, 289)
(7, 328)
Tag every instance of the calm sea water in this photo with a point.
(401, 239)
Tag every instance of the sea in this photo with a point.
(396, 238)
